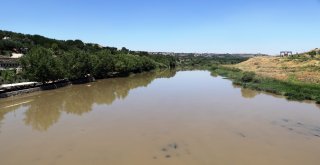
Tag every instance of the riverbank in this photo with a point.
(25, 88)
(298, 68)
(11, 90)
(292, 90)
(190, 114)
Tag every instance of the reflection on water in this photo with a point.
(42, 113)
(250, 94)
(188, 118)
(247, 93)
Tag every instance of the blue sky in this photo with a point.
(222, 26)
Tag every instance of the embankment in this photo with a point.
(24, 89)
(293, 90)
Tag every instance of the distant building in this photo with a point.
(9, 63)
(286, 53)
(162, 53)
(6, 38)
(16, 55)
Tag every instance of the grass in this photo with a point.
(293, 90)
(301, 68)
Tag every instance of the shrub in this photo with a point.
(295, 96)
(312, 54)
(214, 67)
(291, 89)
(248, 76)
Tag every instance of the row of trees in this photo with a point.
(17, 42)
(49, 59)
(41, 64)
(199, 61)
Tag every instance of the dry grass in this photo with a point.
(292, 69)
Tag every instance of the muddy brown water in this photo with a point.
(183, 118)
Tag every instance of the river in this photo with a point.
(156, 118)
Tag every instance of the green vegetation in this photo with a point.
(200, 62)
(303, 57)
(9, 76)
(49, 59)
(291, 89)
(41, 65)
(312, 53)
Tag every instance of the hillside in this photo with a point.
(296, 68)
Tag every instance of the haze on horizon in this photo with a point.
(216, 26)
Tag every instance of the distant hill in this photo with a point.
(315, 53)
(209, 54)
(12, 42)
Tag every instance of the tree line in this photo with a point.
(43, 65)
(48, 59)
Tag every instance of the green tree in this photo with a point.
(124, 50)
(55, 47)
(77, 64)
(312, 54)
(8, 76)
(103, 63)
(41, 65)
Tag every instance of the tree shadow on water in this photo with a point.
(47, 107)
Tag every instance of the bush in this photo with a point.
(214, 67)
(292, 90)
(312, 54)
(248, 76)
(295, 96)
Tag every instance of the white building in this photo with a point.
(8, 63)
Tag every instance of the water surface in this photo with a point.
(183, 118)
